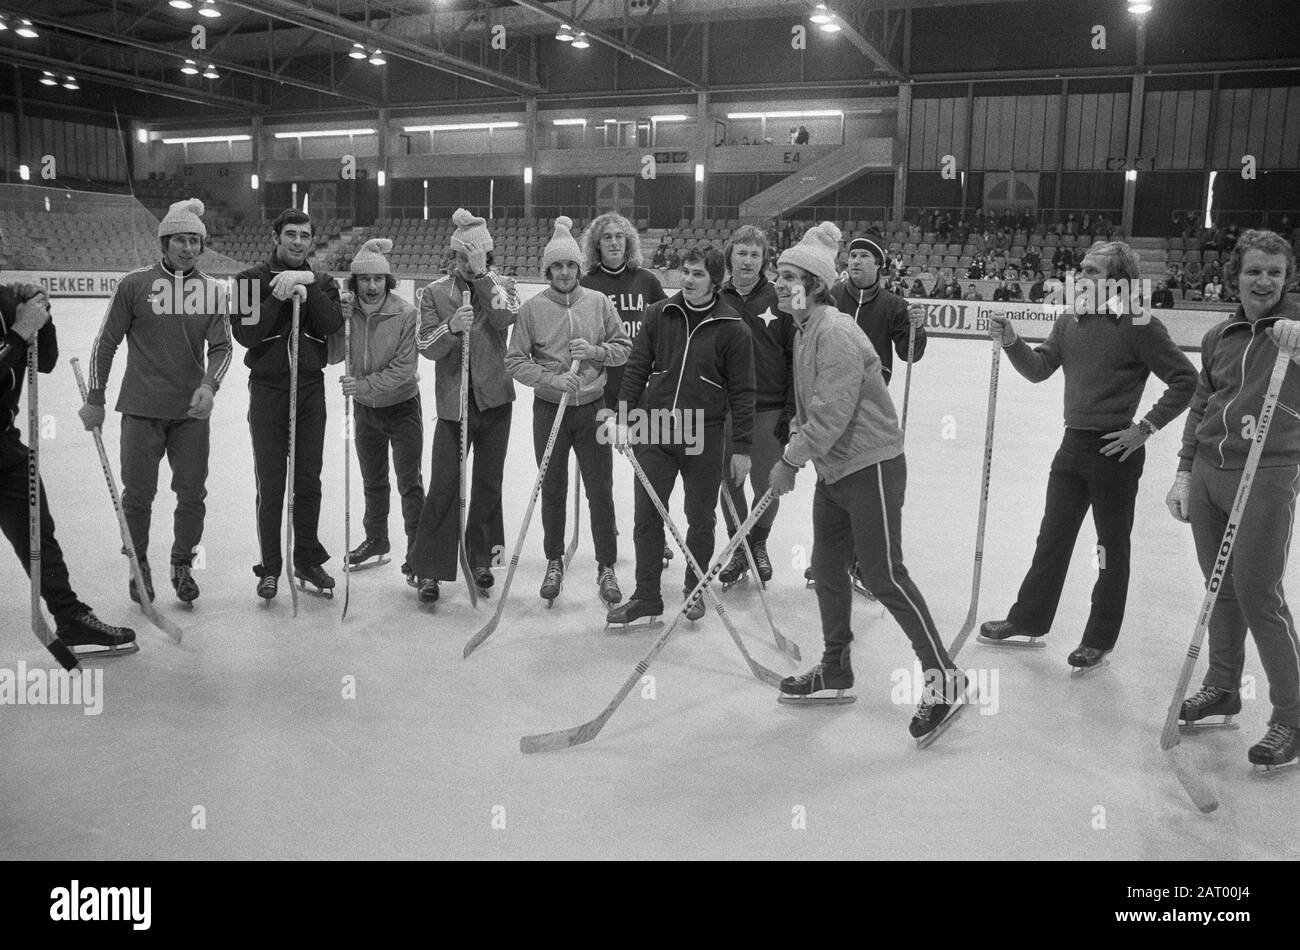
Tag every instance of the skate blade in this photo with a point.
(1263, 768)
(1079, 672)
(1210, 722)
(839, 699)
(636, 626)
(366, 565)
(327, 593)
(93, 651)
(1016, 642)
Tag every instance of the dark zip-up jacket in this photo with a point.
(709, 368)
(883, 318)
(772, 333)
(1236, 363)
(13, 359)
(267, 338)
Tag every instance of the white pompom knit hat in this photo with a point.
(469, 229)
(562, 246)
(371, 258)
(183, 218)
(816, 252)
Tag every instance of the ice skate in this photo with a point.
(735, 571)
(89, 638)
(815, 687)
(428, 588)
(808, 579)
(761, 560)
(268, 585)
(1279, 749)
(553, 582)
(624, 617)
(187, 589)
(1085, 658)
(607, 586)
(694, 610)
(936, 711)
(322, 585)
(371, 552)
(147, 574)
(859, 585)
(1004, 633)
(1212, 707)
(483, 580)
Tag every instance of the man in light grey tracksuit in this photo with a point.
(563, 340)
(846, 426)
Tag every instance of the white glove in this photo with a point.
(1177, 497)
(283, 283)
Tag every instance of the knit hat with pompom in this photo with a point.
(816, 252)
(371, 258)
(469, 230)
(562, 247)
(183, 218)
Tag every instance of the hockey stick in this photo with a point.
(760, 672)
(293, 451)
(490, 627)
(787, 647)
(907, 383)
(566, 738)
(137, 575)
(969, 623)
(1196, 786)
(58, 649)
(347, 462)
(577, 513)
(464, 454)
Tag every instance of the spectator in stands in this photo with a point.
(794, 135)
(772, 332)
(380, 374)
(1061, 257)
(952, 290)
(1107, 359)
(446, 320)
(167, 392)
(917, 290)
(976, 269)
(1039, 289)
(802, 137)
(1031, 259)
(1163, 297)
(674, 258)
(660, 259)
(1014, 290)
(266, 334)
(1213, 291)
(744, 140)
(962, 230)
(1001, 292)
(972, 293)
(1192, 276)
(1071, 225)
(944, 226)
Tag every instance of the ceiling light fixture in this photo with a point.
(70, 83)
(580, 41)
(323, 133)
(205, 139)
(821, 15)
(564, 34)
(190, 68)
(358, 51)
(1139, 7)
(461, 127)
(377, 58)
(26, 30)
(831, 27)
(47, 78)
(209, 9)
(211, 72)
(180, 4)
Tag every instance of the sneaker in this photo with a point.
(148, 583)
(187, 589)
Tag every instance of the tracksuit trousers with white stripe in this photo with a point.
(1251, 594)
(862, 514)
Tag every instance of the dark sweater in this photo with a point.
(772, 332)
(631, 290)
(882, 316)
(13, 358)
(267, 339)
(1107, 360)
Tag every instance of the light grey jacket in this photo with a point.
(844, 418)
(539, 342)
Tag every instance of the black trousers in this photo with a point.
(595, 462)
(268, 421)
(434, 552)
(402, 427)
(55, 586)
(862, 514)
(701, 477)
(1083, 478)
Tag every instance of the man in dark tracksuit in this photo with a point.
(885, 318)
(752, 295)
(265, 330)
(693, 359)
(24, 317)
(1107, 358)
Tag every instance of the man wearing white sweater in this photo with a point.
(563, 340)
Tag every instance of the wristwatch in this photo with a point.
(1146, 427)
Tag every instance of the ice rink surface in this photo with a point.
(248, 731)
